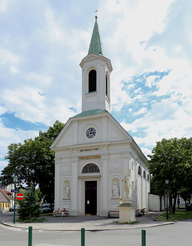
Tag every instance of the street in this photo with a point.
(176, 234)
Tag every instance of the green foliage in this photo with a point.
(130, 223)
(38, 194)
(33, 161)
(172, 159)
(28, 208)
(33, 220)
(179, 215)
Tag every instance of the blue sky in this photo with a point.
(148, 42)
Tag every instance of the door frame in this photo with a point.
(93, 197)
(82, 180)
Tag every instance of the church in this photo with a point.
(93, 151)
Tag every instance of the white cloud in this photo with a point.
(8, 58)
(146, 151)
(137, 91)
(141, 111)
(164, 120)
(3, 5)
(151, 80)
(42, 80)
(2, 110)
(14, 70)
(39, 78)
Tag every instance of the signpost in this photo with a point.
(19, 196)
(16, 191)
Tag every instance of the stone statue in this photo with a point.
(120, 200)
(115, 190)
(127, 187)
(67, 189)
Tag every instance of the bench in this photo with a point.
(60, 213)
(140, 212)
(114, 213)
(64, 212)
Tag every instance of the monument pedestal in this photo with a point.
(127, 212)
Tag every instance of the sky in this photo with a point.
(149, 43)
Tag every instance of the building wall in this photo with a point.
(69, 172)
(4, 205)
(154, 202)
(112, 151)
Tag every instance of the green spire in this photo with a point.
(95, 45)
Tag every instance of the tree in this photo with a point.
(172, 159)
(33, 161)
(38, 194)
(28, 209)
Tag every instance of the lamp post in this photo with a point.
(15, 179)
(166, 183)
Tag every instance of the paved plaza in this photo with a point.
(65, 231)
(90, 223)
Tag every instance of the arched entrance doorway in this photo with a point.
(90, 190)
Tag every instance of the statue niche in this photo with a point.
(115, 188)
(66, 190)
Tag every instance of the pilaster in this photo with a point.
(57, 195)
(105, 185)
(136, 182)
(74, 186)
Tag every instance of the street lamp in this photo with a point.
(15, 180)
(166, 183)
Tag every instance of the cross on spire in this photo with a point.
(96, 13)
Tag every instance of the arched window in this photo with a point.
(147, 177)
(90, 168)
(144, 174)
(92, 81)
(106, 86)
(139, 170)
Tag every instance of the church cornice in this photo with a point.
(94, 57)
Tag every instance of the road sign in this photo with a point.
(16, 191)
(19, 196)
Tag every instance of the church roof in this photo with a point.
(96, 45)
(90, 112)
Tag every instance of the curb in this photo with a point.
(92, 229)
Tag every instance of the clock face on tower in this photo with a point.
(91, 132)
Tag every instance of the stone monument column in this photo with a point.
(126, 207)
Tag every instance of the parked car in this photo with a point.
(45, 208)
(1, 210)
(11, 209)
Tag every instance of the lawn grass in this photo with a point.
(130, 223)
(47, 214)
(179, 215)
(33, 220)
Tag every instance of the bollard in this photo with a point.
(143, 237)
(82, 236)
(30, 236)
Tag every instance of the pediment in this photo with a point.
(107, 129)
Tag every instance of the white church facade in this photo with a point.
(93, 149)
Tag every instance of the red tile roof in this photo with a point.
(3, 196)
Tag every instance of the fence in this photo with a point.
(30, 232)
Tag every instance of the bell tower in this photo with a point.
(96, 70)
